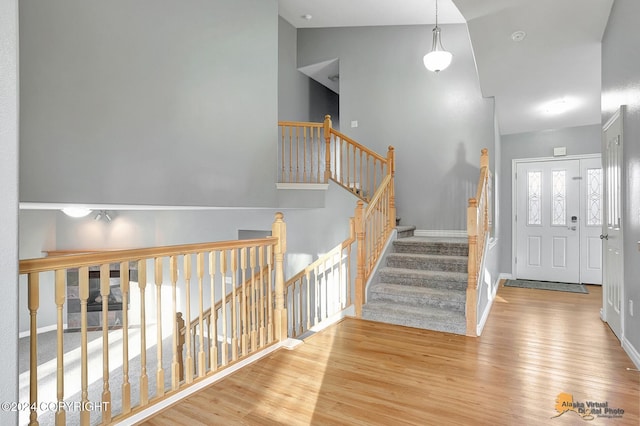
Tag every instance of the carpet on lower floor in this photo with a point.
(547, 285)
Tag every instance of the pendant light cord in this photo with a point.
(436, 13)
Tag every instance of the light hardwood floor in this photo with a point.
(535, 345)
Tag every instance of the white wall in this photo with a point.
(9, 204)
(621, 86)
(149, 102)
(438, 123)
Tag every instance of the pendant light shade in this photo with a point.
(438, 59)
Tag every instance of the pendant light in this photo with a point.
(438, 59)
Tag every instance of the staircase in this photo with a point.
(423, 284)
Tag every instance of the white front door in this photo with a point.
(612, 227)
(547, 221)
(592, 217)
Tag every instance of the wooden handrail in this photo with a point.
(478, 228)
(299, 124)
(44, 264)
(363, 148)
(214, 262)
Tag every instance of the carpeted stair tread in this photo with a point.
(429, 245)
(418, 277)
(422, 284)
(418, 296)
(431, 318)
(434, 262)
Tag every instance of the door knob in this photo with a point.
(571, 228)
(604, 237)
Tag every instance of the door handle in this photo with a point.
(604, 237)
(571, 228)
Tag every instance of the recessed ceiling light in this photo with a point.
(518, 36)
(306, 17)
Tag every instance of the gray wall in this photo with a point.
(149, 102)
(578, 140)
(437, 122)
(620, 85)
(293, 86)
(299, 97)
(9, 204)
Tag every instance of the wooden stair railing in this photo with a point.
(251, 300)
(361, 171)
(142, 273)
(478, 228)
(322, 289)
(316, 153)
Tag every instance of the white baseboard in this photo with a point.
(440, 233)
(632, 352)
(41, 330)
(505, 276)
(487, 310)
(306, 186)
(348, 312)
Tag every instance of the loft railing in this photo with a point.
(322, 289)
(316, 152)
(307, 148)
(251, 301)
(478, 228)
(144, 287)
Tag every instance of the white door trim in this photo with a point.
(514, 193)
(605, 314)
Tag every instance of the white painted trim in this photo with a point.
(347, 312)
(142, 415)
(41, 330)
(304, 186)
(632, 352)
(290, 344)
(505, 276)
(440, 233)
(487, 310)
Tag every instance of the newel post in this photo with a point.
(391, 170)
(279, 230)
(484, 158)
(472, 281)
(359, 225)
(327, 155)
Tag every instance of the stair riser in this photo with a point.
(416, 322)
(392, 278)
(405, 234)
(431, 248)
(406, 299)
(449, 265)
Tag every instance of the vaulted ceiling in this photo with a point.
(556, 65)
